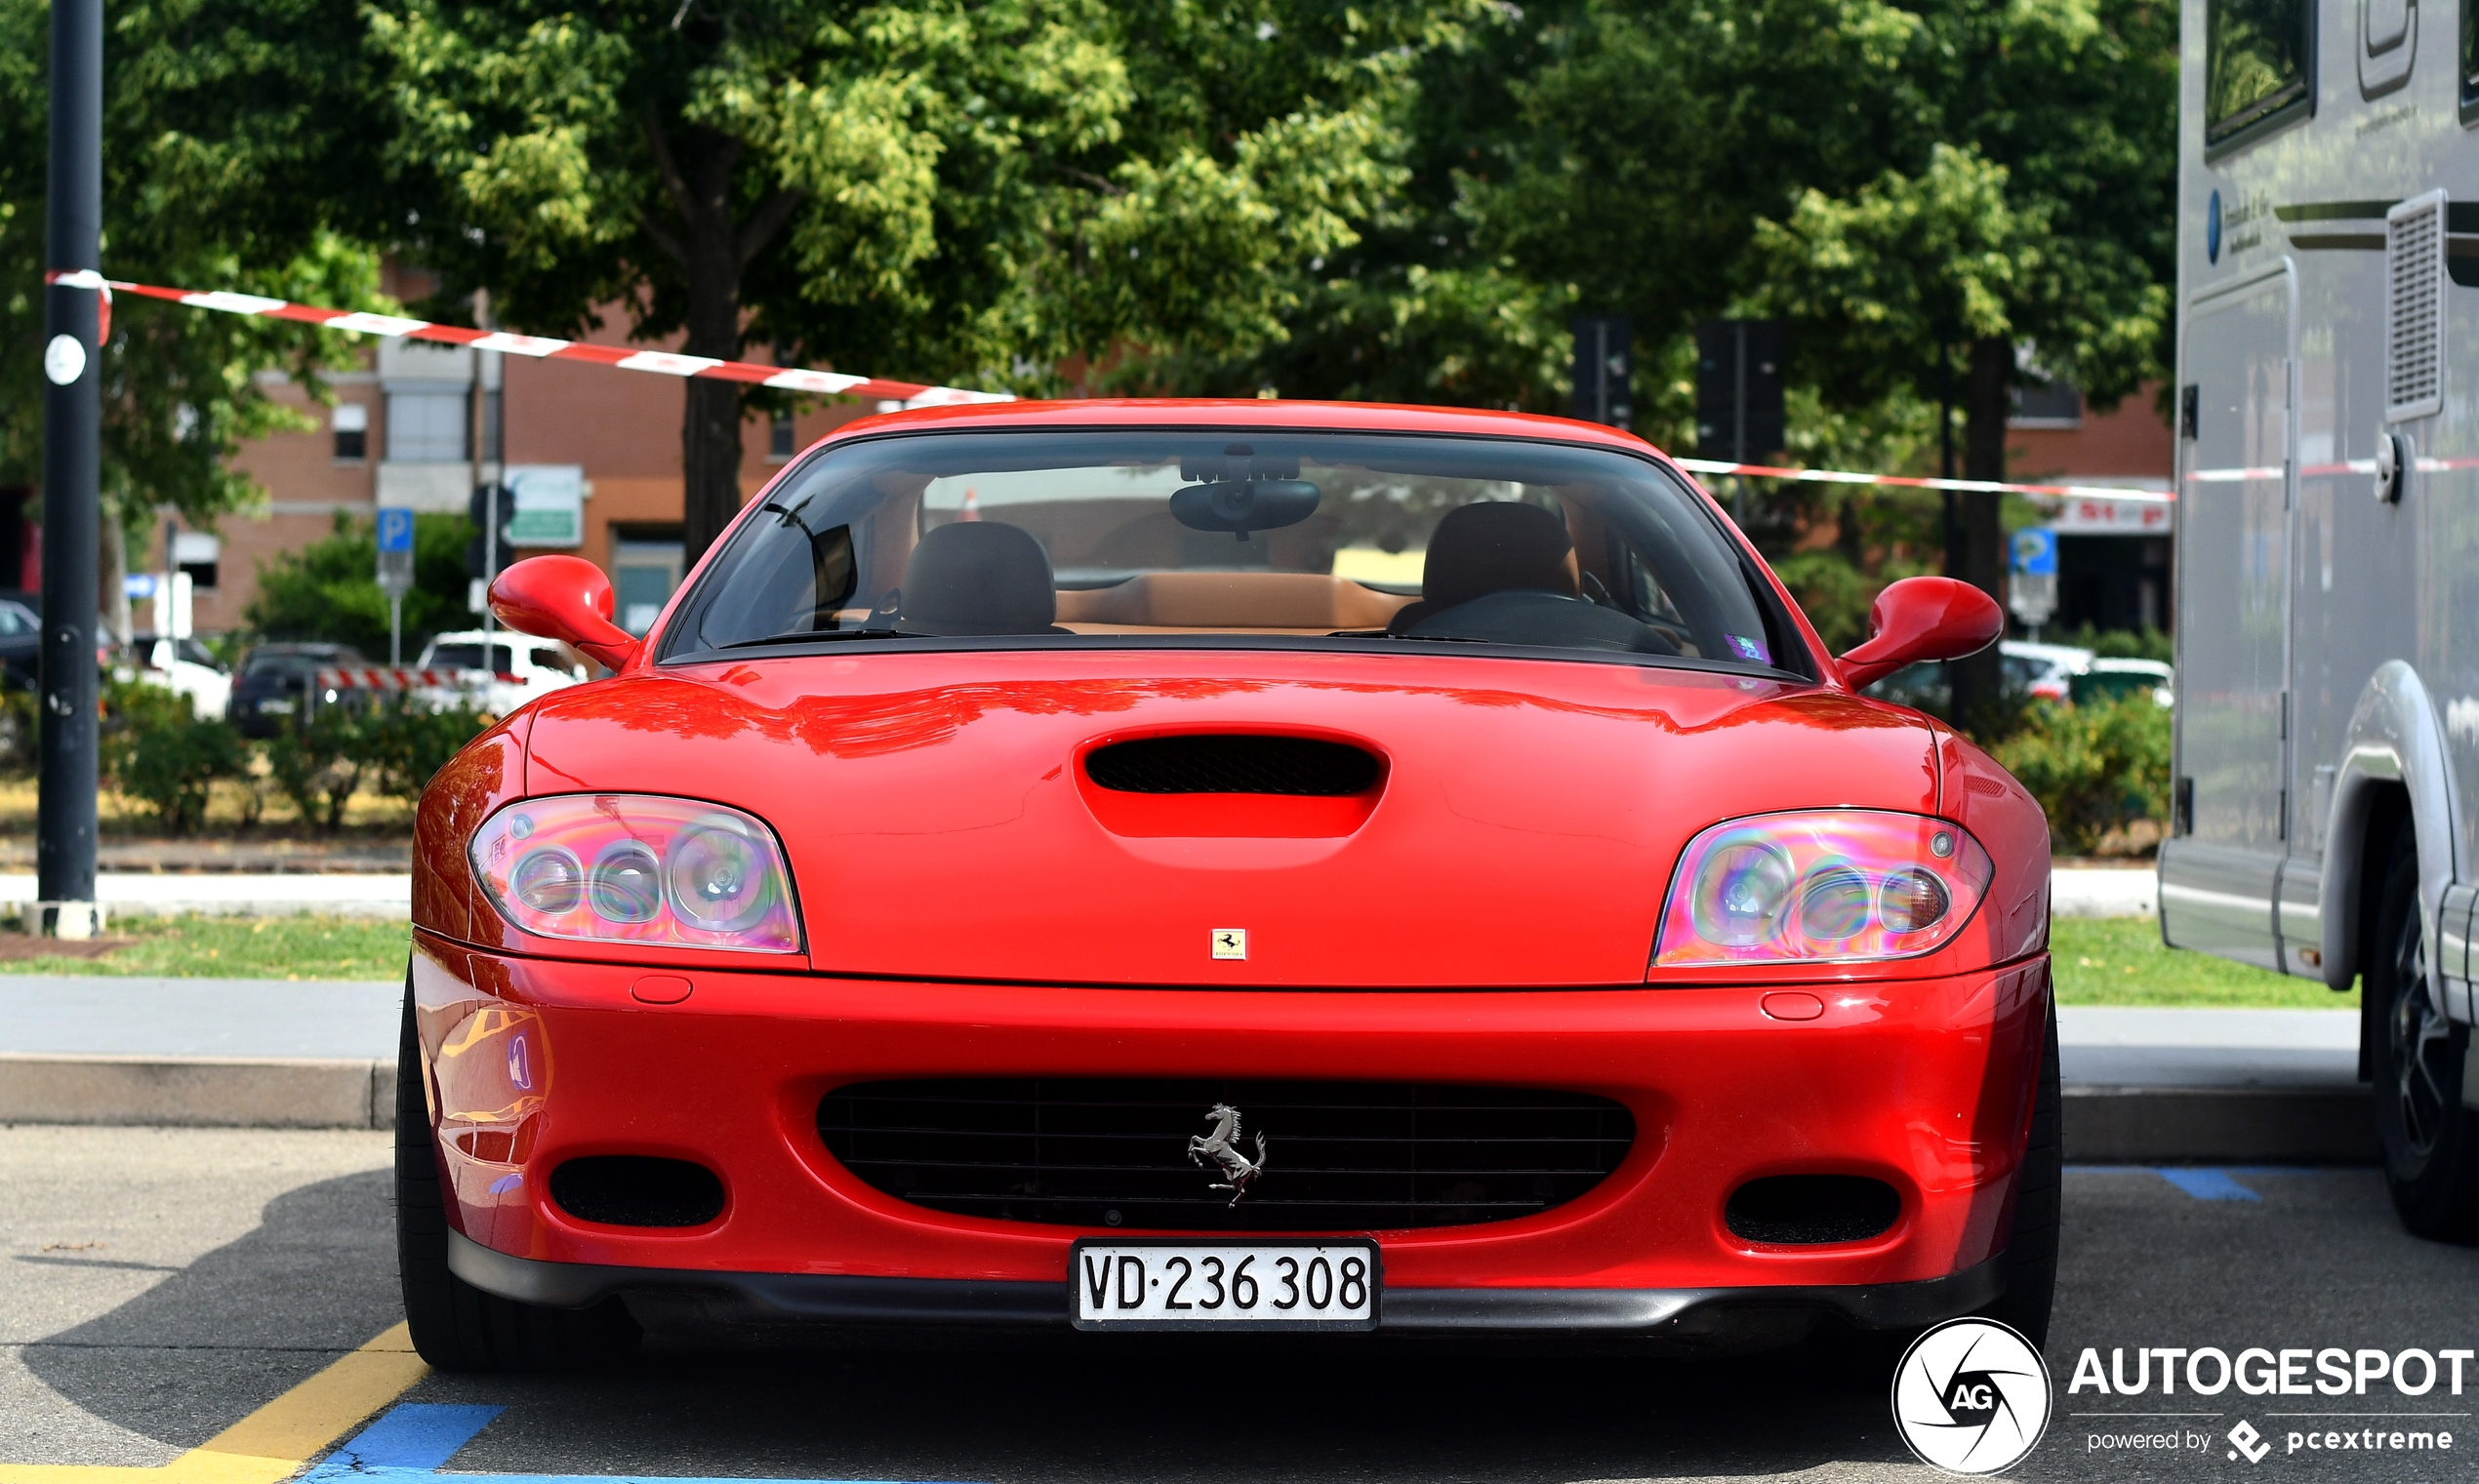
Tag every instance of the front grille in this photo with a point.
(1233, 763)
(1340, 1156)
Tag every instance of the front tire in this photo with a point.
(2031, 1251)
(2431, 1141)
(455, 1326)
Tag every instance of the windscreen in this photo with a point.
(1120, 537)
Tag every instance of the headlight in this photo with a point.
(628, 867)
(1822, 885)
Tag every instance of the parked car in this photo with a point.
(501, 671)
(2043, 671)
(187, 667)
(277, 680)
(2112, 679)
(20, 644)
(904, 937)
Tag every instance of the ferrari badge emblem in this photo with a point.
(1231, 943)
(1237, 1170)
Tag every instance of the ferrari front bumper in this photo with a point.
(1922, 1084)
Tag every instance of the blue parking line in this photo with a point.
(411, 1441)
(2209, 1184)
(2204, 1184)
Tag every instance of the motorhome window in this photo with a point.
(2258, 59)
(2471, 62)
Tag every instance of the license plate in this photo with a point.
(276, 707)
(1307, 1284)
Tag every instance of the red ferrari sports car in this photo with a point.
(1226, 867)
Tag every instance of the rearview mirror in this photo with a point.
(1922, 617)
(565, 598)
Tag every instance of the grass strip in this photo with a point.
(195, 947)
(2120, 961)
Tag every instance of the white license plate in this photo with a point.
(1307, 1284)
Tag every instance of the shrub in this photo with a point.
(409, 742)
(17, 731)
(2093, 768)
(155, 751)
(318, 762)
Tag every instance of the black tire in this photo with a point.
(2031, 1249)
(455, 1326)
(2431, 1141)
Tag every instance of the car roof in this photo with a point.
(1265, 413)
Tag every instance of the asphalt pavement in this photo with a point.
(160, 1285)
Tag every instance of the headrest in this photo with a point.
(978, 578)
(1495, 546)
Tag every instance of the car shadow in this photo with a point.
(1186, 1412)
(228, 1333)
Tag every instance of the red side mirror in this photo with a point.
(565, 598)
(1922, 617)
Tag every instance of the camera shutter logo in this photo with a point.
(1972, 1396)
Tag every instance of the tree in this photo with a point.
(934, 189)
(2040, 221)
(229, 154)
(329, 590)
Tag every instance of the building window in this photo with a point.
(779, 437)
(2258, 67)
(352, 424)
(646, 568)
(197, 553)
(428, 427)
(2042, 403)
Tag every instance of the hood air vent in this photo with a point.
(1233, 763)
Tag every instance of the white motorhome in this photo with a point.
(2327, 775)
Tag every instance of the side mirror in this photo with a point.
(565, 598)
(1922, 617)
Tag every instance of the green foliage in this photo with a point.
(410, 743)
(395, 742)
(300, 947)
(329, 590)
(18, 719)
(232, 143)
(318, 762)
(967, 190)
(2093, 768)
(154, 749)
(2119, 643)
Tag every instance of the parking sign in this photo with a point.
(395, 529)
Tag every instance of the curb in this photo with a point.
(2211, 1125)
(197, 1092)
(2101, 1124)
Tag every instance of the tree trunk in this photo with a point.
(1987, 401)
(709, 421)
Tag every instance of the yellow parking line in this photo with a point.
(274, 1442)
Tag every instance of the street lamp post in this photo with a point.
(72, 415)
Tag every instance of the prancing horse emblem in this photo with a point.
(1239, 1171)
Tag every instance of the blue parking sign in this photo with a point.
(395, 529)
(2034, 552)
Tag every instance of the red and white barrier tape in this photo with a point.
(381, 678)
(1910, 482)
(541, 348)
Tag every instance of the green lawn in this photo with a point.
(230, 947)
(2120, 961)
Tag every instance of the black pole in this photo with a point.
(65, 813)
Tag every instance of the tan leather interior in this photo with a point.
(1272, 602)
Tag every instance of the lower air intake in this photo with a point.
(637, 1190)
(1339, 1157)
(1811, 1210)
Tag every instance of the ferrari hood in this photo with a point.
(1511, 823)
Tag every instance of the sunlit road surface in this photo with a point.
(193, 1308)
